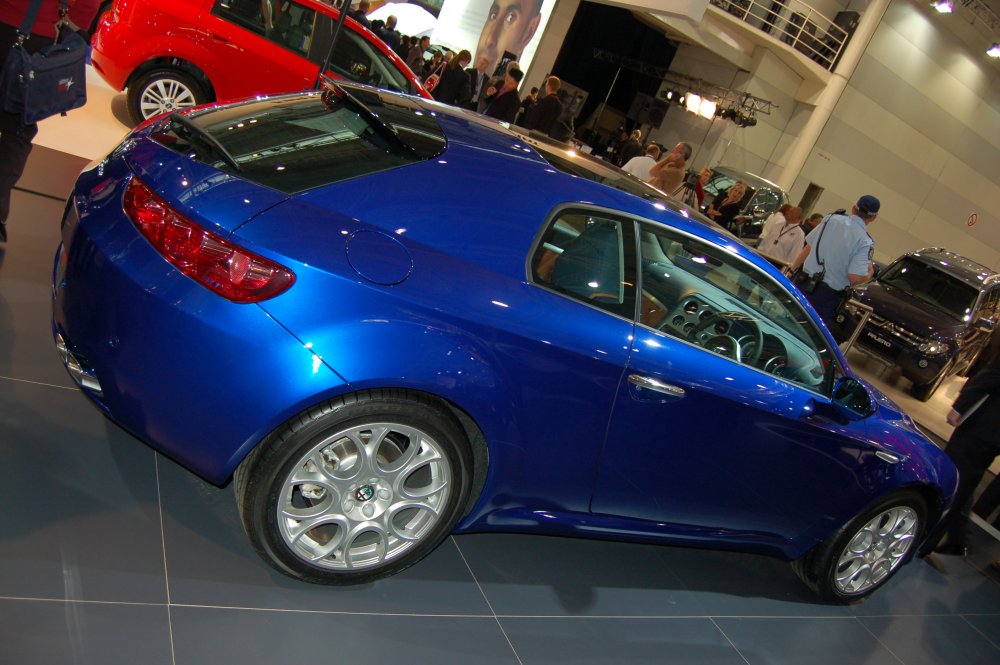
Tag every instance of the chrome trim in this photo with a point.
(887, 457)
(656, 386)
(83, 376)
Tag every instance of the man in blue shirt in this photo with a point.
(841, 250)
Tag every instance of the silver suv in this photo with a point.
(763, 197)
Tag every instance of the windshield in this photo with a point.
(933, 286)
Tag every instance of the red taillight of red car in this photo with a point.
(225, 268)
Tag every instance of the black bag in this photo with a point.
(808, 283)
(53, 80)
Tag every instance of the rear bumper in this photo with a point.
(199, 378)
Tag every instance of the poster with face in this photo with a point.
(488, 28)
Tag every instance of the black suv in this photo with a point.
(932, 313)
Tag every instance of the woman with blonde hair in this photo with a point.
(725, 208)
(454, 87)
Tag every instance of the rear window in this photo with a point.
(293, 143)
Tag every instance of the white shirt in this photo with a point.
(781, 240)
(639, 167)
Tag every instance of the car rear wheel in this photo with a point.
(355, 489)
(163, 91)
(865, 553)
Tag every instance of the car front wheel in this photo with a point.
(865, 553)
(355, 489)
(924, 391)
(163, 91)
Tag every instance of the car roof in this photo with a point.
(956, 265)
(751, 179)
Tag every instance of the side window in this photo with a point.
(991, 303)
(287, 24)
(706, 296)
(586, 255)
(355, 58)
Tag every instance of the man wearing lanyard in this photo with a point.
(840, 250)
(782, 236)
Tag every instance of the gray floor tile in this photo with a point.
(740, 584)
(209, 636)
(810, 641)
(586, 640)
(210, 562)
(933, 640)
(26, 348)
(60, 633)
(546, 576)
(575, 577)
(988, 626)
(945, 585)
(80, 518)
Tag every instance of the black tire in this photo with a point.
(924, 391)
(379, 478)
(163, 90)
(839, 572)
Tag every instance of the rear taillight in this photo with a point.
(225, 268)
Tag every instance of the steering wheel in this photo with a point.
(723, 339)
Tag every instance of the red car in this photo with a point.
(172, 54)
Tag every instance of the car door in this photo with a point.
(723, 424)
(259, 46)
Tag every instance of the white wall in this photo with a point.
(918, 126)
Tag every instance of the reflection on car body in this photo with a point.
(375, 372)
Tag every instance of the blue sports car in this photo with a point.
(386, 320)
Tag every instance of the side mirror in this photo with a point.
(852, 399)
(986, 325)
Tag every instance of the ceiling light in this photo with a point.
(994, 51)
(693, 102)
(943, 6)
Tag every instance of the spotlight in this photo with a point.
(670, 95)
(693, 102)
(707, 108)
(994, 51)
(681, 100)
(943, 6)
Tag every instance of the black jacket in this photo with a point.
(453, 88)
(503, 106)
(985, 420)
(543, 115)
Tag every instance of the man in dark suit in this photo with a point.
(477, 82)
(502, 102)
(973, 446)
(543, 115)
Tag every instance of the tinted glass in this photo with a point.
(356, 59)
(933, 286)
(301, 30)
(702, 294)
(584, 255)
(297, 142)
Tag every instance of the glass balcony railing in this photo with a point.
(797, 24)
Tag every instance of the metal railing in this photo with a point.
(797, 24)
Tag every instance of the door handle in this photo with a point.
(646, 383)
(220, 38)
